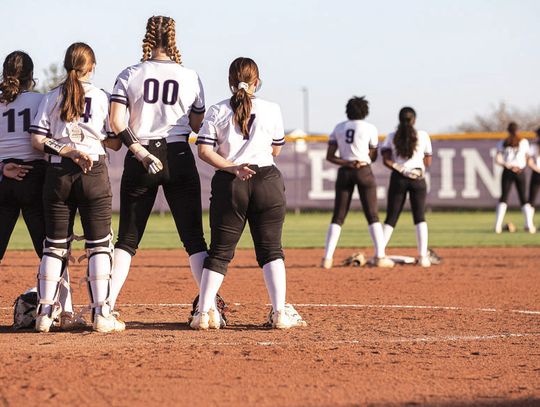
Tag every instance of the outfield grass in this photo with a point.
(446, 229)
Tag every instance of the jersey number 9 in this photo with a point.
(349, 136)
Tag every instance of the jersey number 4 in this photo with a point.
(349, 136)
(10, 114)
(169, 95)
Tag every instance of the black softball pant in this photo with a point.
(534, 186)
(182, 188)
(66, 190)
(23, 196)
(509, 177)
(260, 201)
(397, 193)
(347, 179)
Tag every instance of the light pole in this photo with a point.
(305, 92)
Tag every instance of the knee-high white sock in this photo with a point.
(332, 238)
(422, 238)
(528, 211)
(65, 294)
(210, 284)
(196, 264)
(377, 236)
(50, 269)
(500, 211)
(99, 273)
(387, 231)
(120, 271)
(276, 283)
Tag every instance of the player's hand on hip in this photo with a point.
(243, 172)
(83, 160)
(152, 164)
(16, 171)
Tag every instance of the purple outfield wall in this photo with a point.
(463, 175)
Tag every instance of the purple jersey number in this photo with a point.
(169, 94)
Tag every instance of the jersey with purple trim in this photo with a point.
(422, 149)
(534, 152)
(85, 134)
(514, 156)
(354, 139)
(15, 120)
(265, 131)
(160, 95)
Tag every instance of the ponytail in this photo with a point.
(243, 72)
(406, 138)
(78, 62)
(17, 75)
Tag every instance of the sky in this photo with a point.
(449, 59)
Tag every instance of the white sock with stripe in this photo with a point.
(387, 231)
(120, 271)
(422, 238)
(377, 236)
(332, 238)
(276, 283)
(528, 212)
(210, 283)
(500, 211)
(196, 262)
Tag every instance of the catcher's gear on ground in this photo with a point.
(355, 260)
(221, 308)
(510, 227)
(24, 309)
(291, 313)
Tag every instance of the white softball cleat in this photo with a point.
(383, 262)
(44, 323)
(280, 320)
(327, 263)
(200, 321)
(294, 316)
(108, 324)
(424, 261)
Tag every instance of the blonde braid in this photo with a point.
(149, 40)
(172, 50)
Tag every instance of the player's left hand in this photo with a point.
(243, 172)
(83, 160)
(16, 171)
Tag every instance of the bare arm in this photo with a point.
(532, 164)
(373, 153)
(83, 160)
(113, 143)
(331, 156)
(387, 158)
(276, 150)
(195, 121)
(427, 160)
(207, 154)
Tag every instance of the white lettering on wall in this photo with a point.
(446, 156)
(318, 175)
(474, 165)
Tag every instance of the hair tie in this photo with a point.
(243, 85)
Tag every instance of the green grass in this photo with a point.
(446, 229)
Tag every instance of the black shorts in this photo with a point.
(181, 186)
(508, 178)
(260, 201)
(67, 189)
(347, 179)
(534, 186)
(25, 196)
(397, 193)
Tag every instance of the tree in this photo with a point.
(53, 76)
(497, 120)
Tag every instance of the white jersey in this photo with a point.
(266, 130)
(354, 139)
(514, 156)
(534, 152)
(87, 133)
(423, 149)
(15, 120)
(160, 96)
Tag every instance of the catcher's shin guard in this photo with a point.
(99, 254)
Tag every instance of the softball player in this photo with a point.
(246, 187)
(513, 156)
(407, 152)
(23, 168)
(357, 142)
(70, 126)
(534, 163)
(165, 103)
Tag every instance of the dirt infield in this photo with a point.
(466, 332)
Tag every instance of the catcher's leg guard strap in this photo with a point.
(50, 276)
(99, 253)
